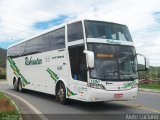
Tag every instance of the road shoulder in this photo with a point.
(3, 81)
(149, 90)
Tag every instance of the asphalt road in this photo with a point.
(145, 103)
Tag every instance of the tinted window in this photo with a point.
(17, 50)
(59, 39)
(45, 42)
(20, 49)
(113, 62)
(78, 63)
(127, 62)
(49, 41)
(11, 51)
(32, 46)
(52, 41)
(75, 31)
(104, 30)
(105, 61)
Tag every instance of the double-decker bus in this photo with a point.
(84, 60)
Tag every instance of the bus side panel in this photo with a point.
(41, 70)
(10, 75)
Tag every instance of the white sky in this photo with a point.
(17, 18)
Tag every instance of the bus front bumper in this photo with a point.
(104, 95)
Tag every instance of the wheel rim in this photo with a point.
(20, 86)
(61, 93)
(15, 86)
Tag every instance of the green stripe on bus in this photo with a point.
(53, 75)
(70, 93)
(17, 72)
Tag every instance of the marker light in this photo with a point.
(105, 55)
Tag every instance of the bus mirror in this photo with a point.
(90, 58)
(143, 62)
(147, 63)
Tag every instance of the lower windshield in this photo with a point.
(113, 62)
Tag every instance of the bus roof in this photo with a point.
(54, 28)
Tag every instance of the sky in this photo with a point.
(20, 19)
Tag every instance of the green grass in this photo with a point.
(14, 114)
(2, 73)
(2, 76)
(2, 95)
(150, 86)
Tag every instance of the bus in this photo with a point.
(85, 60)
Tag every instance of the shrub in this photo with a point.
(3, 76)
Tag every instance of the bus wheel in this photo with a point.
(15, 84)
(61, 93)
(20, 86)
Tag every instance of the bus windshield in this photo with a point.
(113, 62)
(105, 30)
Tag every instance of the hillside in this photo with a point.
(3, 53)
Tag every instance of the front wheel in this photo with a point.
(61, 94)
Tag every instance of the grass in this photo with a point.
(2, 76)
(14, 114)
(150, 86)
(2, 73)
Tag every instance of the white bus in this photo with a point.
(84, 60)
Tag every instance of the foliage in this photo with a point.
(2, 73)
(2, 76)
(14, 114)
(3, 54)
(150, 86)
(153, 73)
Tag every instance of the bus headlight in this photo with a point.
(97, 86)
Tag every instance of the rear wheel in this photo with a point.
(20, 86)
(15, 84)
(61, 94)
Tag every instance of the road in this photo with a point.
(145, 103)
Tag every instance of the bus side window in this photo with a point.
(78, 63)
(75, 31)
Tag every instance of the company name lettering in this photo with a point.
(29, 61)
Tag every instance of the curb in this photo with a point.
(149, 90)
(36, 111)
(20, 118)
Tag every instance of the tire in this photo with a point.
(15, 85)
(20, 88)
(61, 94)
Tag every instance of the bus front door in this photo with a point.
(78, 70)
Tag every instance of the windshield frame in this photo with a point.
(131, 78)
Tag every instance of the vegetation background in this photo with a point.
(3, 54)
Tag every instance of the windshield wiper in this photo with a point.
(131, 76)
(102, 37)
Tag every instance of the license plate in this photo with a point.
(118, 95)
